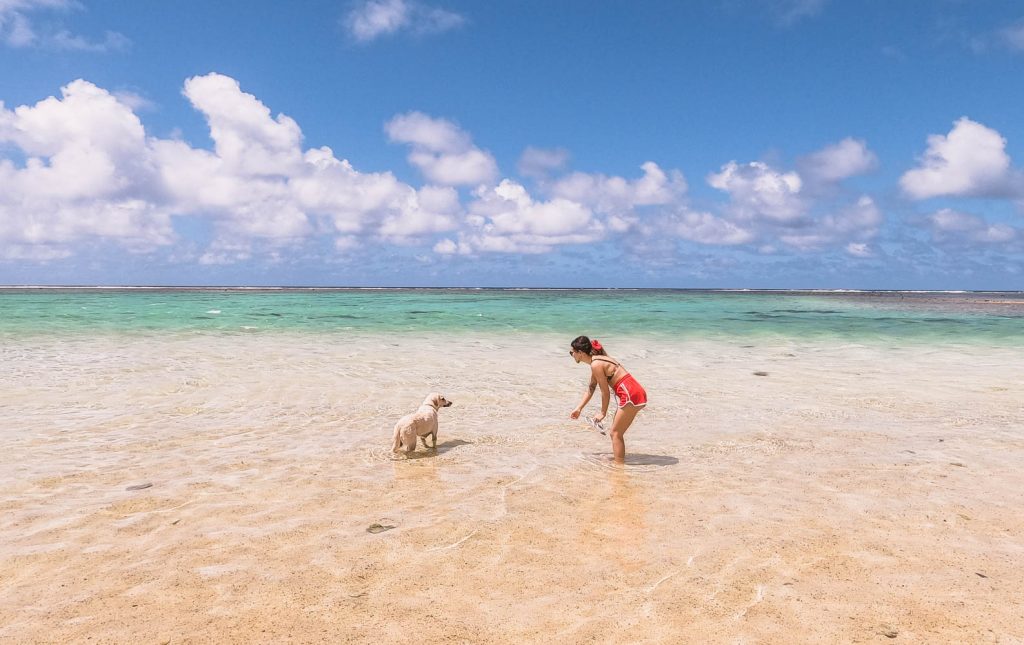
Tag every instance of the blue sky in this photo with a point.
(728, 143)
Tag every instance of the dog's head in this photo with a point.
(437, 401)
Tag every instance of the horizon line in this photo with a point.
(490, 288)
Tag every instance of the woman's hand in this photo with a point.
(598, 418)
(575, 414)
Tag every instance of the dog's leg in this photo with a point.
(434, 435)
(405, 440)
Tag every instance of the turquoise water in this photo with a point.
(854, 316)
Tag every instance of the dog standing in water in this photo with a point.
(421, 423)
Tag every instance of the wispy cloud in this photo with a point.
(37, 23)
(1012, 36)
(784, 13)
(788, 12)
(538, 163)
(1007, 37)
(112, 42)
(373, 19)
(949, 226)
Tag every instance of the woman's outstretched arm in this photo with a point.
(575, 414)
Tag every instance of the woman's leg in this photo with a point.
(623, 418)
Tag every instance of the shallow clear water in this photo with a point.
(847, 316)
(229, 450)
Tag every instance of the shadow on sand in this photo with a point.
(635, 459)
(442, 448)
(445, 446)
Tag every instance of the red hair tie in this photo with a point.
(596, 345)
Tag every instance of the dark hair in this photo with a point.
(584, 344)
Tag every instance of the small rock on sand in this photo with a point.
(378, 528)
(760, 373)
(139, 486)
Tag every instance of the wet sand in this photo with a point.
(853, 494)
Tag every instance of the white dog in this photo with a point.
(421, 423)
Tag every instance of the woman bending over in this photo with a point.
(608, 374)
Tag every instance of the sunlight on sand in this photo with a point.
(852, 493)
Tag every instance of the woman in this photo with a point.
(609, 374)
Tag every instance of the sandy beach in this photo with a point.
(853, 493)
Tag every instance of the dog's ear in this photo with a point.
(435, 400)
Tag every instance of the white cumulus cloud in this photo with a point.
(759, 192)
(260, 183)
(443, 152)
(246, 138)
(87, 174)
(90, 172)
(618, 198)
(847, 158)
(506, 219)
(971, 160)
(705, 228)
(613, 194)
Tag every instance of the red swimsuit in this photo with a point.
(627, 388)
